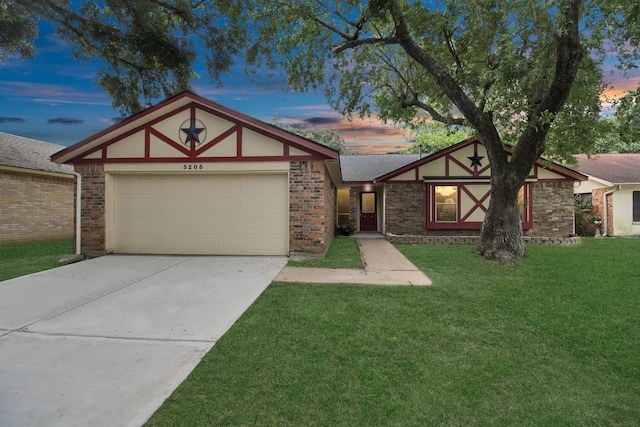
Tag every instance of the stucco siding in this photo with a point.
(623, 224)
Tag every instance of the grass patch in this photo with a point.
(343, 253)
(26, 258)
(554, 341)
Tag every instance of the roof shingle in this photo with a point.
(613, 168)
(368, 167)
(27, 153)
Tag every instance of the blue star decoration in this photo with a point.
(475, 159)
(193, 132)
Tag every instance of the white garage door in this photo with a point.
(231, 214)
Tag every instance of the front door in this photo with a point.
(368, 212)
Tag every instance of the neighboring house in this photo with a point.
(189, 176)
(36, 195)
(447, 193)
(614, 186)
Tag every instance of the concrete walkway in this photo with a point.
(383, 265)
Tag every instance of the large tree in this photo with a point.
(513, 70)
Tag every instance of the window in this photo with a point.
(636, 206)
(343, 207)
(463, 206)
(368, 202)
(446, 203)
(521, 203)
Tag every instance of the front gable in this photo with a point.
(457, 187)
(468, 161)
(188, 128)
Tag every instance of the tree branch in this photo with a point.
(452, 50)
(350, 44)
(480, 120)
(435, 115)
(569, 54)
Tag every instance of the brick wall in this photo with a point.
(330, 209)
(552, 209)
(35, 207)
(93, 209)
(597, 199)
(405, 206)
(312, 208)
(473, 240)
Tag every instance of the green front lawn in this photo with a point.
(554, 341)
(26, 258)
(343, 253)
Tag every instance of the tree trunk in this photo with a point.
(501, 235)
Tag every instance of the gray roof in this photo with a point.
(368, 167)
(27, 153)
(613, 168)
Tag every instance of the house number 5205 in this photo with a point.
(192, 167)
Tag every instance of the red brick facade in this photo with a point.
(405, 206)
(598, 200)
(312, 208)
(552, 209)
(93, 209)
(35, 207)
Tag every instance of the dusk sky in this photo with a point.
(53, 98)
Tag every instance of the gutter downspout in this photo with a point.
(78, 211)
(605, 219)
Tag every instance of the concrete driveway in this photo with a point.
(105, 341)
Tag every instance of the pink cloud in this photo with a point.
(366, 135)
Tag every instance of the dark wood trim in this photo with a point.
(461, 223)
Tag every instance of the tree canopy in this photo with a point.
(434, 136)
(452, 61)
(327, 137)
(147, 48)
(524, 72)
(622, 131)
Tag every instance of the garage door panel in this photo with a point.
(201, 214)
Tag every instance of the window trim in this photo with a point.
(460, 223)
(455, 204)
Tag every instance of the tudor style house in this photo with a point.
(447, 193)
(189, 176)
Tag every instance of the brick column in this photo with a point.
(311, 208)
(92, 226)
(552, 209)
